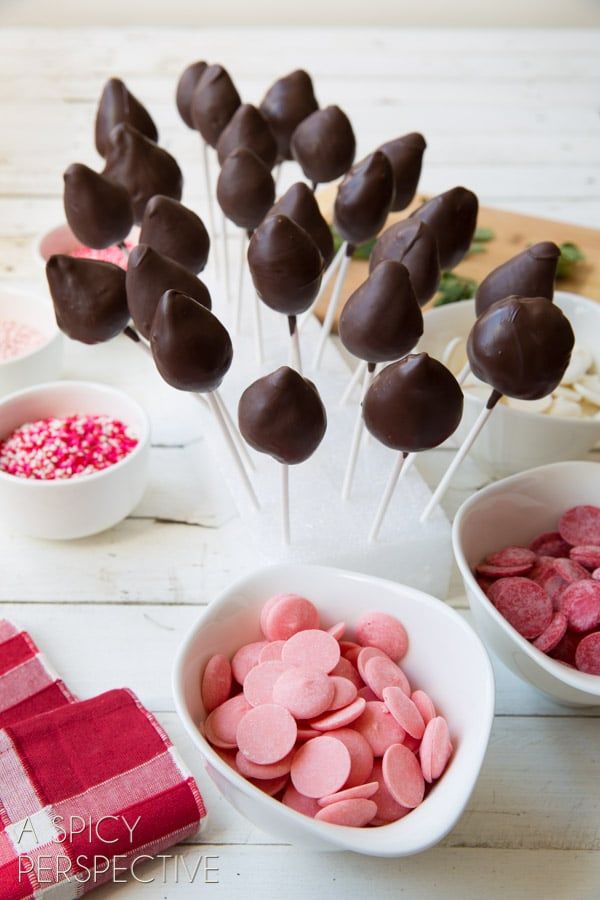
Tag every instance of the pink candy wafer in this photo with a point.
(306, 693)
(580, 525)
(378, 726)
(549, 543)
(570, 570)
(344, 692)
(580, 603)
(587, 555)
(266, 734)
(308, 806)
(360, 792)
(216, 682)
(424, 704)
(313, 648)
(436, 749)
(403, 776)
(260, 681)
(337, 630)
(270, 786)
(245, 659)
(220, 726)
(271, 652)
(383, 631)
(289, 615)
(553, 634)
(596, 574)
(404, 711)
(486, 570)
(388, 810)
(345, 669)
(364, 655)
(587, 655)
(361, 755)
(320, 767)
(381, 672)
(524, 604)
(512, 556)
(273, 770)
(353, 813)
(340, 717)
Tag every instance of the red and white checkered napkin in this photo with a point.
(86, 788)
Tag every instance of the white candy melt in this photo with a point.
(589, 388)
(581, 361)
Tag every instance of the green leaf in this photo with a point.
(363, 251)
(483, 235)
(454, 288)
(570, 256)
(476, 247)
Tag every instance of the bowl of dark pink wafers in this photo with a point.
(528, 548)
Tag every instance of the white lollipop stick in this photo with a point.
(358, 431)
(237, 313)
(258, 337)
(226, 258)
(468, 442)
(295, 355)
(386, 497)
(277, 176)
(220, 420)
(239, 440)
(333, 305)
(357, 377)
(463, 373)
(328, 275)
(210, 207)
(285, 503)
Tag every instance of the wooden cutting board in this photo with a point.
(513, 232)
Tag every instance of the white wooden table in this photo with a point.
(513, 115)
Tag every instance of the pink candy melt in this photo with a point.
(17, 339)
(112, 254)
(310, 728)
(58, 448)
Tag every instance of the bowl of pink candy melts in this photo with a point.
(337, 710)
(528, 548)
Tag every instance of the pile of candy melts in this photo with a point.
(577, 396)
(330, 727)
(550, 591)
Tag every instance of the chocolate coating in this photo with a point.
(118, 105)
(188, 81)
(175, 231)
(248, 128)
(90, 302)
(299, 204)
(287, 103)
(149, 275)
(414, 404)
(143, 168)
(364, 198)
(406, 157)
(452, 217)
(324, 144)
(530, 273)
(191, 349)
(411, 243)
(245, 189)
(98, 211)
(285, 265)
(382, 320)
(214, 101)
(283, 415)
(521, 347)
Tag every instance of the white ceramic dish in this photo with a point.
(42, 363)
(513, 440)
(514, 511)
(61, 239)
(75, 507)
(445, 658)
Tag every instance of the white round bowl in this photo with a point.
(61, 239)
(80, 506)
(513, 440)
(514, 511)
(44, 362)
(445, 658)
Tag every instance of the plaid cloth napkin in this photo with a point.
(86, 788)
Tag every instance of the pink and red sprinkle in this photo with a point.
(17, 339)
(59, 448)
(113, 254)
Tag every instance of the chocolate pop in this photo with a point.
(175, 231)
(213, 103)
(406, 157)
(324, 145)
(287, 103)
(411, 242)
(530, 273)
(364, 198)
(245, 189)
(283, 415)
(149, 276)
(414, 404)
(452, 217)
(187, 84)
(98, 211)
(118, 105)
(142, 167)
(90, 302)
(299, 204)
(248, 128)
(521, 347)
(380, 322)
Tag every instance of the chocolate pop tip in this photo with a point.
(245, 188)
(248, 128)
(364, 198)
(530, 273)
(452, 217)
(324, 145)
(186, 85)
(213, 102)
(405, 154)
(118, 105)
(98, 211)
(300, 205)
(411, 242)
(175, 231)
(288, 102)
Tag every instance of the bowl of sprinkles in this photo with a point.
(62, 240)
(73, 458)
(30, 342)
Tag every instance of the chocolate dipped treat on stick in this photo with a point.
(193, 352)
(286, 267)
(530, 273)
(187, 84)
(381, 322)
(283, 415)
(99, 211)
(361, 207)
(324, 145)
(521, 347)
(118, 106)
(452, 217)
(413, 244)
(248, 128)
(414, 404)
(286, 104)
(175, 231)
(406, 158)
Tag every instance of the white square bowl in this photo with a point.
(445, 658)
(514, 511)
